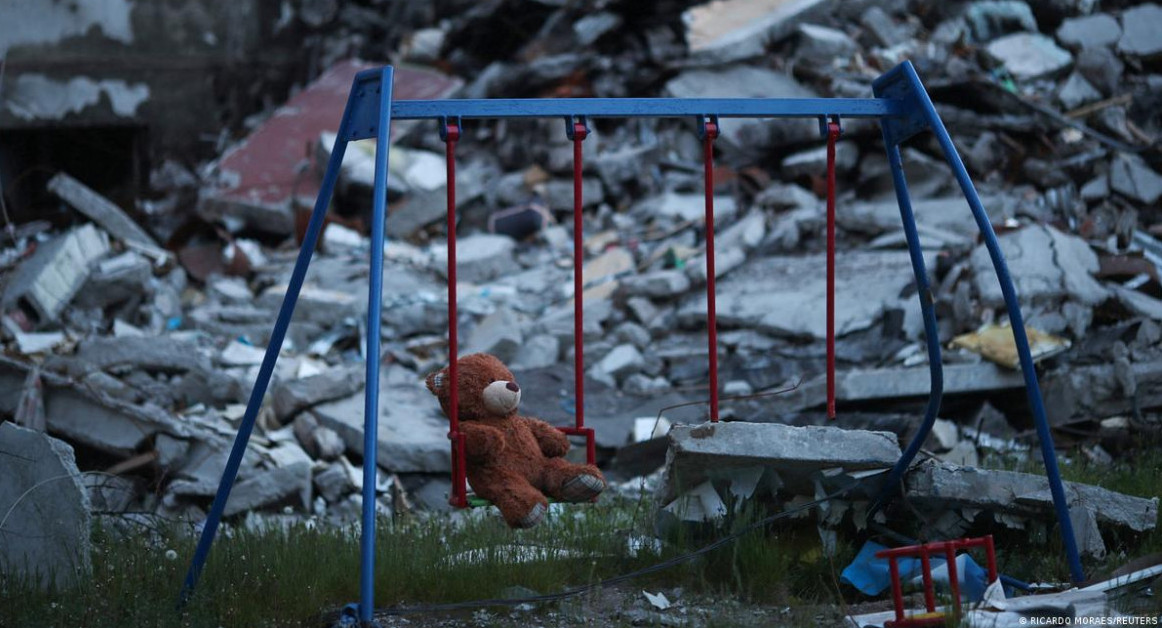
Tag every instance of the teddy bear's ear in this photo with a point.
(436, 380)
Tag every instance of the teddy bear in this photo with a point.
(513, 461)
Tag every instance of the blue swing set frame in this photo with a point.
(904, 110)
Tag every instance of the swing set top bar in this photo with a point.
(647, 107)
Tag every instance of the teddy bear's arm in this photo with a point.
(553, 443)
(481, 442)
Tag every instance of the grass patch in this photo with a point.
(298, 576)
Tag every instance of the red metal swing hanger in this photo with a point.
(576, 129)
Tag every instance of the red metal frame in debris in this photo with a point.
(948, 548)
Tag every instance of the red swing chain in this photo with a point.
(709, 133)
(833, 131)
(459, 496)
(578, 135)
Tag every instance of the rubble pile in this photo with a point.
(136, 336)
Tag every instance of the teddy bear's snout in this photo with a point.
(502, 397)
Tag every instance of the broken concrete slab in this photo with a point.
(538, 351)
(100, 210)
(44, 533)
(656, 284)
(88, 417)
(698, 452)
(46, 282)
(823, 47)
(260, 181)
(776, 295)
(1046, 265)
(413, 433)
(1029, 56)
(689, 207)
(151, 353)
(1096, 391)
(116, 280)
(742, 81)
(733, 30)
(479, 258)
(1141, 25)
(939, 485)
(271, 487)
(1088, 31)
(498, 333)
(1132, 177)
(296, 395)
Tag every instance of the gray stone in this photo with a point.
(772, 295)
(537, 352)
(813, 161)
(689, 207)
(742, 81)
(701, 452)
(1141, 25)
(744, 29)
(46, 282)
(726, 259)
(1029, 56)
(479, 258)
(317, 304)
(1089, 31)
(1045, 264)
(822, 47)
(498, 333)
(321, 443)
(1098, 391)
(1086, 533)
(334, 482)
(116, 280)
(632, 333)
(592, 27)
(643, 310)
(559, 193)
(413, 433)
(1102, 68)
(272, 487)
(230, 289)
(621, 361)
(296, 395)
(658, 283)
(991, 19)
(934, 485)
(44, 531)
(171, 452)
(882, 28)
(642, 384)
(1133, 178)
(1077, 91)
(1098, 189)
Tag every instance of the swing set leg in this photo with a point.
(230, 473)
(920, 115)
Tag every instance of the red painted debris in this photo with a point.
(262, 179)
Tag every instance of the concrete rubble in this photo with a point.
(133, 324)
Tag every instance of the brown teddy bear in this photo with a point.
(512, 461)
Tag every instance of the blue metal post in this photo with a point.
(902, 81)
(1017, 321)
(371, 387)
(931, 333)
(230, 473)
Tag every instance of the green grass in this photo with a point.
(300, 576)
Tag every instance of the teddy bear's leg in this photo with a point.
(568, 482)
(521, 505)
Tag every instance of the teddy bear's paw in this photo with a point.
(534, 517)
(582, 488)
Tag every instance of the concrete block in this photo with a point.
(44, 284)
(45, 526)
